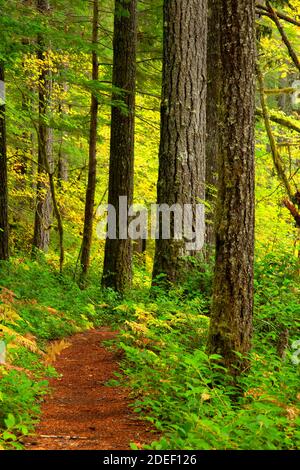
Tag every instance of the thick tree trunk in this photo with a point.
(117, 272)
(43, 211)
(232, 306)
(183, 121)
(91, 187)
(214, 81)
(4, 253)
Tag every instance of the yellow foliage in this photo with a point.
(8, 314)
(20, 340)
(54, 349)
(205, 397)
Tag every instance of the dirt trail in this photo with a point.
(82, 412)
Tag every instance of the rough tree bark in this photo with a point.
(63, 164)
(91, 186)
(4, 252)
(117, 272)
(232, 305)
(183, 122)
(214, 80)
(43, 211)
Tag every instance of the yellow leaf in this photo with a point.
(54, 349)
(205, 396)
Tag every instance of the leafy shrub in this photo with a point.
(189, 397)
(19, 405)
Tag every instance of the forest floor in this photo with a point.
(83, 412)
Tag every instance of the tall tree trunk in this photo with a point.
(63, 164)
(183, 121)
(58, 216)
(117, 272)
(27, 137)
(91, 187)
(4, 253)
(41, 237)
(232, 306)
(214, 81)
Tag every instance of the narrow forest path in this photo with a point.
(82, 412)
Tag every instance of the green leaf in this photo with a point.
(10, 421)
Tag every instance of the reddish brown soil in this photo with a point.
(83, 413)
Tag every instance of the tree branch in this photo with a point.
(275, 154)
(280, 91)
(293, 210)
(264, 11)
(285, 122)
(284, 37)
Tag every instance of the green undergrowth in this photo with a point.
(190, 399)
(37, 307)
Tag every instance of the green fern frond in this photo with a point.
(21, 340)
(8, 314)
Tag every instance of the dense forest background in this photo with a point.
(76, 73)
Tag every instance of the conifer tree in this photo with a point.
(183, 121)
(232, 305)
(117, 272)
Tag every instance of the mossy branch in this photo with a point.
(282, 121)
(274, 17)
(280, 91)
(275, 154)
(265, 12)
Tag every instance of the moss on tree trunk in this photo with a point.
(232, 306)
